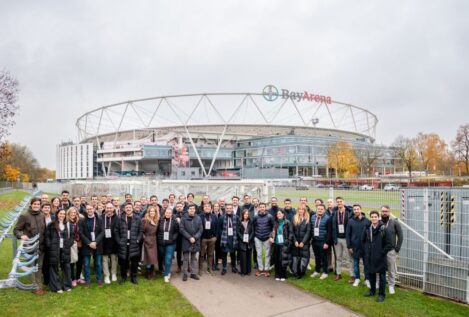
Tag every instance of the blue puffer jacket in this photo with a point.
(263, 225)
(354, 232)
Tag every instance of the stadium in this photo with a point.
(276, 133)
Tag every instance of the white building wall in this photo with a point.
(75, 161)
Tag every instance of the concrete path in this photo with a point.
(233, 295)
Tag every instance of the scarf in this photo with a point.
(224, 233)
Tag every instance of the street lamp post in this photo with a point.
(314, 121)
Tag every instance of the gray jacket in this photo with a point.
(394, 230)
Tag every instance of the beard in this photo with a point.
(385, 218)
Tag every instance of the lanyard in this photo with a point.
(230, 224)
(94, 224)
(371, 233)
(343, 218)
(164, 225)
(318, 220)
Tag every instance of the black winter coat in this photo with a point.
(250, 230)
(191, 227)
(173, 231)
(301, 233)
(136, 234)
(109, 244)
(377, 244)
(85, 236)
(52, 243)
(287, 241)
(354, 233)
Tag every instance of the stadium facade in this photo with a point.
(279, 133)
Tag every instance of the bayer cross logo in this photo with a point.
(270, 93)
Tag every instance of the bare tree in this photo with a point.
(367, 158)
(461, 146)
(8, 108)
(404, 149)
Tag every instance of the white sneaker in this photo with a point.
(391, 290)
(315, 274)
(166, 279)
(323, 276)
(368, 284)
(357, 282)
(114, 278)
(69, 290)
(60, 291)
(277, 279)
(377, 285)
(107, 280)
(282, 280)
(82, 277)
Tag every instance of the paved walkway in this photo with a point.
(233, 295)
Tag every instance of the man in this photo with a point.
(164, 206)
(339, 222)
(228, 228)
(377, 244)
(94, 202)
(322, 240)
(28, 226)
(109, 221)
(396, 237)
(103, 200)
(44, 198)
(273, 207)
(355, 228)
(247, 203)
(304, 201)
(182, 199)
(209, 237)
(191, 230)
(127, 199)
(205, 200)
(190, 199)
(154, 203)
(221, 203)
(263, 225)
(91, 235)
(172, 200)
(179, 213)
(128, 234)
(235, 204)
(138, 209)
(348, 211)
(109, 198)
(288, 210)
(77, 204)
(65, 195)
(254, 208)
(117, 209)
(144, 202)
(330, 206)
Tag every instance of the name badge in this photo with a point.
(316, 232)
(246, 237)
(341, 229)
(92, 236)
(61, 243)
(107, 233)
(128, 234)
(207, 225)
(280, 238)
(230, 231)
(166, 236)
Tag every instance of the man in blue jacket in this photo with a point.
(263, 225)
(355, 228)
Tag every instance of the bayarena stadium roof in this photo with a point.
(273, 111)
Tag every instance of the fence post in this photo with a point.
(331, 192)
(425, 237)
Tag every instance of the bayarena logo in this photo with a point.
(271, 93)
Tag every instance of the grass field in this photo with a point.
(405, 302)
(149, 298)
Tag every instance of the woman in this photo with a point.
(55, 205)
(281, 239)
(59, 239)
(168, 231)
(245, 242)
(301, 242)
(150, 249)
(76, 267)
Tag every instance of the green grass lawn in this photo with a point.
(405, 302)
(149, 298)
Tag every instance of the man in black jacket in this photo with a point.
(91, 235)
(128, 234)
(109, 221)
(191, 230)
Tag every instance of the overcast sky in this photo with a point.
(405, 61)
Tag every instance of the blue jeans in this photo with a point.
(167, 251)
(356, 268)
(98, 267)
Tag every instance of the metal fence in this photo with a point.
(435, 253)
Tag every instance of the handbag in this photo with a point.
(74, 252)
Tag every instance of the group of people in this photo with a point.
(146, 235)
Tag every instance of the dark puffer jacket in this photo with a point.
(377, 244)
(287, 241)
(301, 233)
(191, 227)
(52, 243)
(136, 234)
(263, 225)
(85, 236)
(354, 233)
(173, 231)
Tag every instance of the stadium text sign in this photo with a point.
(271, 93)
